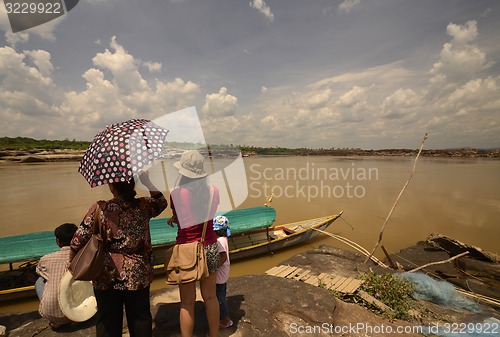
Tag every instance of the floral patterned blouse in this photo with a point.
(129, 263)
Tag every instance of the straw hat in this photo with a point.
(76, 298)
(191, 164)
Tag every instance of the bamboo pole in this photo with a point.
(393, 265)
(397, 200)
(438, 262)
(354, 245)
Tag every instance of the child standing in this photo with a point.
(222, 230)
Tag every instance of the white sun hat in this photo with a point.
(76, 298)
(191, 164)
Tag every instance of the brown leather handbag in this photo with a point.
(88, 263)
(186, 262)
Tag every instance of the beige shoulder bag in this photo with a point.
(187, 262)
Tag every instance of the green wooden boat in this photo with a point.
(252, 234)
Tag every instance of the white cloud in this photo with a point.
(353, 105)
(18, 76)
(463, 34)
(352, 97)
(174, 95)
(348, 5)
(12, 38)
(312, 100)
(472, 95)
(389, 104)
(123, 67)
(153, 67)
(460, 60)
(220, 104)
(41, 59)
(386, 75)
(27, 93)
(262, 7)
(401, 103)
(32, 105)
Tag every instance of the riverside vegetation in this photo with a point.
(393, 291)
(25, 145)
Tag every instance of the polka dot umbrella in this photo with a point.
(120, 151)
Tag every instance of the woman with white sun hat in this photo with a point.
(193, 203)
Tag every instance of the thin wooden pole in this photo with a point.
(393, 265)
(354, 245)
(397, 200)
(438, 262)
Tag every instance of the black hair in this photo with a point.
(221, 232)
(65, 232)
(126, 190)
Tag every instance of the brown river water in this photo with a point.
(456, 197)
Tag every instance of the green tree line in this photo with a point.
(25, 143)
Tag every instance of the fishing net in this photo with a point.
(441, 292)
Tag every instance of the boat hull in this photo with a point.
(278, 243)
(264, 241)
(241, 246)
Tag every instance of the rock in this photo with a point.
(262, 305)
(3, 330)
(259, 305)
(37, 156)
(327, 259)
(33, 159)
(478, 276)
(31, 324)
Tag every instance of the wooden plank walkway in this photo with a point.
(345, 285)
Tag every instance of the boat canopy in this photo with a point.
(34, 245)
(27, 246)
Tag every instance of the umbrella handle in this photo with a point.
(163, 170)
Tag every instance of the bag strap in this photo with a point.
(205, 224)
(98, 226)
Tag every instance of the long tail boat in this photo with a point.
(253, 233)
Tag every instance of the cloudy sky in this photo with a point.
(318, 73)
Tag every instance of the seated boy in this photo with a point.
(51, 269)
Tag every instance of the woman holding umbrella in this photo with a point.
(193, 203)
(128, 270)
(128, 266)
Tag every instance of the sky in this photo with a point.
(369, 74)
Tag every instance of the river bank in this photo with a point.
(55, 155)
(40, 155)
(263, 305)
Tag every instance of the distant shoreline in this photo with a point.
(59, 155)
(452, 153)
(24, 149)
